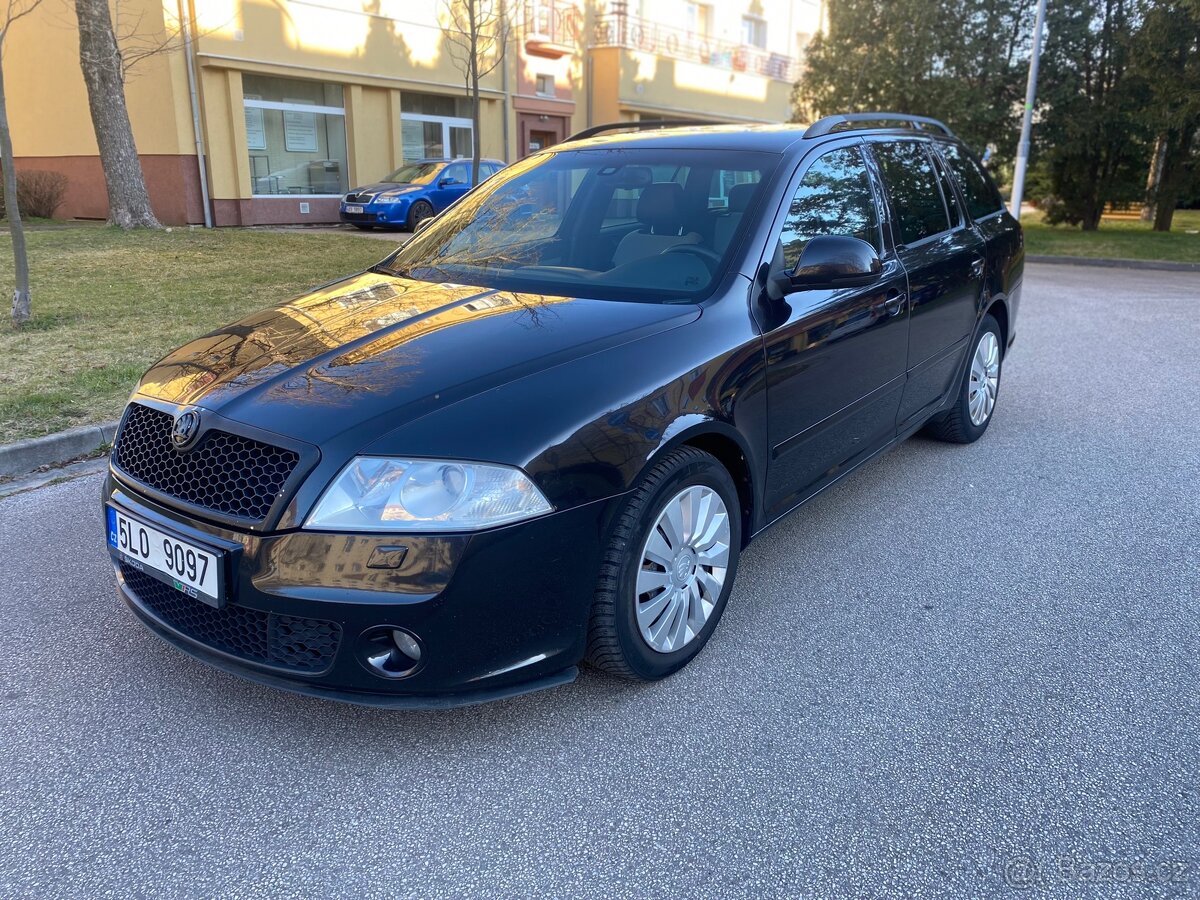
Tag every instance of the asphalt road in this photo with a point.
(967, 672)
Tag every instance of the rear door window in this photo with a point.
(834, 197)
(981, 195)
(912, 187)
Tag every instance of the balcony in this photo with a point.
(551, 29)
(643, 68)
(646, 36)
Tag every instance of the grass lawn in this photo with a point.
(106, 304)
(1117, 239)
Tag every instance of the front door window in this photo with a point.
(834, 198)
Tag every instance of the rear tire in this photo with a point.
(969, 417)
(682, 603)
(418, 213)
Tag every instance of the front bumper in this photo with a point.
(376, 213)
(496, 613)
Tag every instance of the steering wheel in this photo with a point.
(710, 257)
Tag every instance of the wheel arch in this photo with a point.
(998, 310)
(729, 447)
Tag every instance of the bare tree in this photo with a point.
(104, 74)
(22, 299)
(476, 33)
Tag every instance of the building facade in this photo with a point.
(266, 111)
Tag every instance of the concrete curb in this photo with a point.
(25, 456)
(1160, 265)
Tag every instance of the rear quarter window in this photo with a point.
(980, 193)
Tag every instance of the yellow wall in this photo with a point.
(400, 44)
(662, 85)
(47, 99)
(225, 134)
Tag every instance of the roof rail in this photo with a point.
(645, 125)
(921, 123)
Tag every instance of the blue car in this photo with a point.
(413, 193)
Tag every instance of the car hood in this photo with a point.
(374, 351)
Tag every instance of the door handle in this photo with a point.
(894, 302)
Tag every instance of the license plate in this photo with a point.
(353, 209)
(188, 568)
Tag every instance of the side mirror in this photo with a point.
(835, 260)
(447, 182)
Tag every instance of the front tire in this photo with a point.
(418, 213)
(668, 569)
(969, 417)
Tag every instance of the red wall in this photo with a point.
(173, 183)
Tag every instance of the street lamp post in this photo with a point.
(1018, 190)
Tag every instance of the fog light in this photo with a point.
(406, 644)
(389, 652)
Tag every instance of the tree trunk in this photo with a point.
(100, 59)
(1174, 165)
(1154, 178)
(476, 142)
(21, 301)
(473, 14)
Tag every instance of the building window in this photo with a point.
(754, 32)
(434, 126)
(803, 39)
(545, 85)
(295, 136)
(699, 19)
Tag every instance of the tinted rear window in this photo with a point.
(913, 189)
(981, 195)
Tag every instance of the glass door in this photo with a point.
(460, 140)
(434, 137)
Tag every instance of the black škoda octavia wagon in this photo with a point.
(542, 431)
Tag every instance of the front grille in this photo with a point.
(359, 198)
(287, 642)
(224, 472)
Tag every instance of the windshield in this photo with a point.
(415, 173)
(623, 223)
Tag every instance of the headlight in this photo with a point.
(393, 196)
(376, 493)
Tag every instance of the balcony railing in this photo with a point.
(635, 33)
(550, 26)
